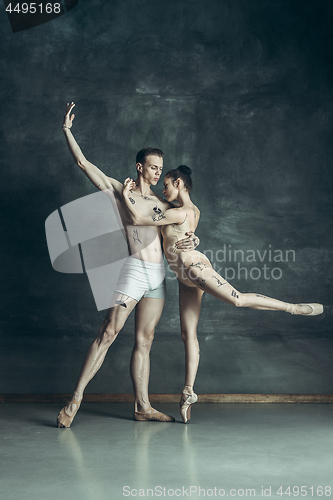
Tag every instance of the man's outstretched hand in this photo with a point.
(68, 120)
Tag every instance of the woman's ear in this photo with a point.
(176, 183)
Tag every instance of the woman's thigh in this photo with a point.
(200, 272)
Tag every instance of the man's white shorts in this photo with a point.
(139, 278)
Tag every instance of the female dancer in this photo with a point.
(195, 272)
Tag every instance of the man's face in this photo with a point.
(151, 170)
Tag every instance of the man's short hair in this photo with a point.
(141, 156)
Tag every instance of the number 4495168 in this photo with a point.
(33, 8)
(303, 491)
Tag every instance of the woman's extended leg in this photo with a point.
(189, 308)
(201, 273)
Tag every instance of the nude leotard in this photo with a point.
(176, 257)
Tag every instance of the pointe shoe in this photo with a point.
(186, 401)
(316, 309)
(65, 420)
(152, 415)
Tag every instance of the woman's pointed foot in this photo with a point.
(67, 414)
(305, 309)
(186, 401)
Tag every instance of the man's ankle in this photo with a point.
(142, 405)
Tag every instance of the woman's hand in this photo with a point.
(128, 185)
(68, 120)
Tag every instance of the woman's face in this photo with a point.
(170, 191)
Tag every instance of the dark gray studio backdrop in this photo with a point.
(239, 90)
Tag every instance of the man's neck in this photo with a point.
(142, 187)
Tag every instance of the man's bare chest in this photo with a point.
(147, 205)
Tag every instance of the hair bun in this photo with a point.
(185, 169)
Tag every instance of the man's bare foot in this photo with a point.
(152, 415)
(67, 414)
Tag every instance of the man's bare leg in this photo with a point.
(147, 315)
(113, 323)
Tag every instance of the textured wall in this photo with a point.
(241, 91)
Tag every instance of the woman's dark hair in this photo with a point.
(182, 172)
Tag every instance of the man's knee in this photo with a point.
(107, 335)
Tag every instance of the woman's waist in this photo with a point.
(170, 239)
(174, 254)
(170, 245)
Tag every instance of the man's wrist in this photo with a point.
(64, 127)
(196, 241)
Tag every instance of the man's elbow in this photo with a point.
(137, 221)
(81, 163)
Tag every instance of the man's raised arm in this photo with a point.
(94, 174)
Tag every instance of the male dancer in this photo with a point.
(140, 284)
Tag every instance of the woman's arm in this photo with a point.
(94, 174)
(170, 216)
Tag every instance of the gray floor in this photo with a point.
(230, 447)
